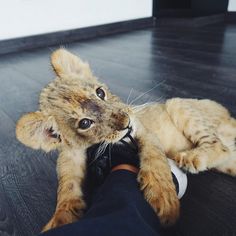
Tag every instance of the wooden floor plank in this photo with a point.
(184, 62)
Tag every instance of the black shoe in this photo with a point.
(99, 166)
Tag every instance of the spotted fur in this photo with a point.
(197, 134)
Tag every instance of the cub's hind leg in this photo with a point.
(208, 151)
(227, 133)
(229, 167)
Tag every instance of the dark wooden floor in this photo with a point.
(196, 63)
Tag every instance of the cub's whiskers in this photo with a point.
(130, 92)
(101, 149)
(148, 91)
(109, 153)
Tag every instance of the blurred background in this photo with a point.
(20, 18)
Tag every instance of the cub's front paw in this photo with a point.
(161, 195)
(67, 212)
(61, 217)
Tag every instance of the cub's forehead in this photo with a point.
(68, 87)
(70, 92)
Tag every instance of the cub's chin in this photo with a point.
(116, 136)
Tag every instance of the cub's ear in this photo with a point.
(38, 131)
(65, 63)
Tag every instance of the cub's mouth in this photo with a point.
(129, 140)
(130, 129)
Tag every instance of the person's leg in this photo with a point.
(118, 208)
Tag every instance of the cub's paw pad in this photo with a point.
(190, 161)
(61, 217)
(67, 212)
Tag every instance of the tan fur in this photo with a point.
(197, 134)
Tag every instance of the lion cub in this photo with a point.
(77, 111)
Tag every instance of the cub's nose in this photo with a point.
(121, 121)
(125, 121)
(127, 124)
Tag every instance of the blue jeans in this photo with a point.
(118, 209)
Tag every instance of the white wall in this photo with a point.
(232, 5)
(30, 17)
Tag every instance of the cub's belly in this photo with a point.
(156, 120)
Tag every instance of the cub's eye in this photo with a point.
(100, 93)
(85, 123)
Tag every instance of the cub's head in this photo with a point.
(75, 110)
